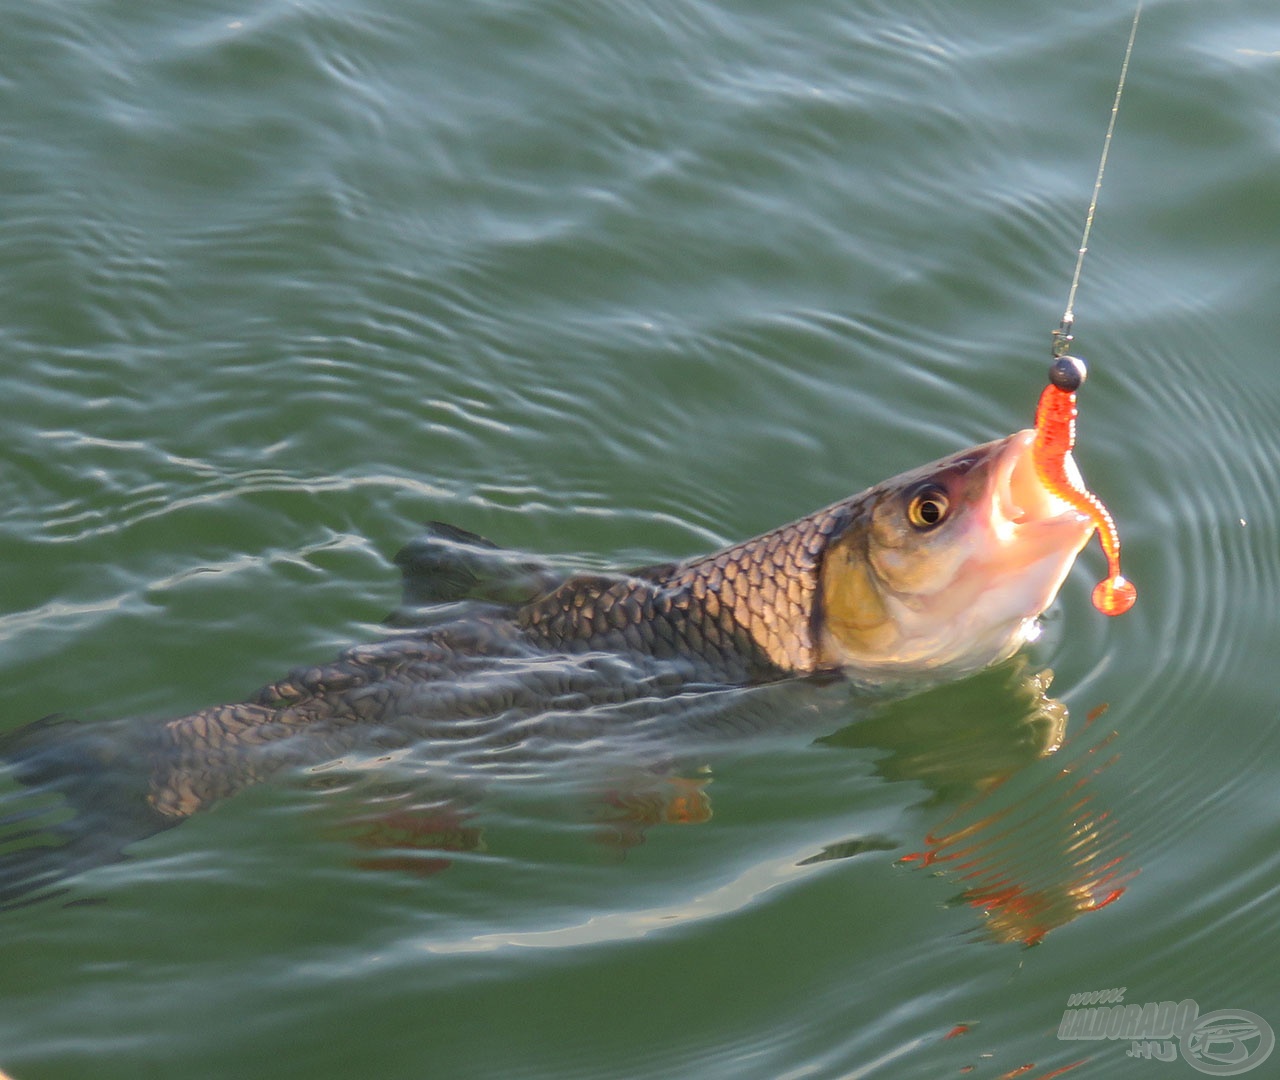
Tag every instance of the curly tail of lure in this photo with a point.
(1055, 436)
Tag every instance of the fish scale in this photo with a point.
(746, 613)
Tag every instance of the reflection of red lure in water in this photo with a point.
(414, 838)
(998, 852)
(1055, 436)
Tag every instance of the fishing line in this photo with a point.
(1055, 430)
(1062, 336)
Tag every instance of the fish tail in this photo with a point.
(72, 797)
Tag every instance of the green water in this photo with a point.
(619, 283)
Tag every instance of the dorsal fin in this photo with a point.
(446, 564)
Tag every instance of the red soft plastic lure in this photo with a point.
(1055, 436)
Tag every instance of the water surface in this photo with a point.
(619, 283)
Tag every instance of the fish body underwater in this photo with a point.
(928, 576)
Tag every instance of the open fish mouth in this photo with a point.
(1021, 504)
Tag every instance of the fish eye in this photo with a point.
(928, 507)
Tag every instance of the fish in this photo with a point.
(929, 576)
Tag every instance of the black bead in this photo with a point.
(1067, 373)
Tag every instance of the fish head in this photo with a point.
(946, 568)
